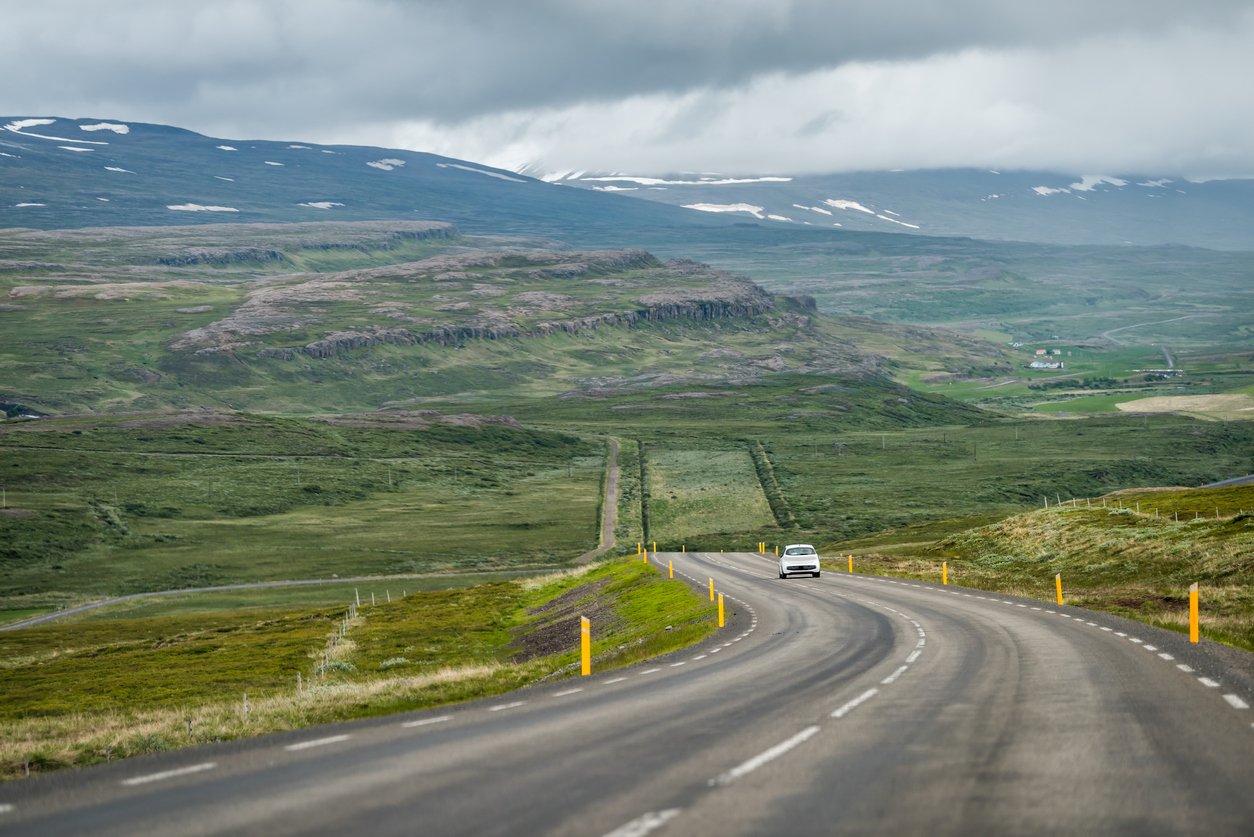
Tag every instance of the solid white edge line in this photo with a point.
(503, 706)
(645, 823)
(566, 692)
(317, 742)
(746, 767)
(169, 774)
(1236, 702)
(423, 722)
(853, 704)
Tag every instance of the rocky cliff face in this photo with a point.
(449, 299)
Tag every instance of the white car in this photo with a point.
(799, 558)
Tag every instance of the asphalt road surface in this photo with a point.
(844, 704)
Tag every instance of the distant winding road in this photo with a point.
(845, 704)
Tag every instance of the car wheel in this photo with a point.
(816, 575)
(783, 575)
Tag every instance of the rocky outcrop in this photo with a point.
(220, 256)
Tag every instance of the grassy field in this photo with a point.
(100, 689)
(110, 506)
(1131, 553)
(703, 496)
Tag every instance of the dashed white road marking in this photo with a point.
(855, 703)
(170, 774)
(1149, 647)
(5, 808)
(914, 655)
(423, 722)
(1166, 656)
(500, 707)
(651, 671)
(1236, 702)
(645, 823)
(1134, 639)
(1104, 628)
(1184, 668)
(1120, 634)
(764, 757)
(317, 742)
(715, 650)
(892, 677)
(1208, 683)
(613, 680)
(699, 657)
(566, 692)
(680, 663)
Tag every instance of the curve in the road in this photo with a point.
(847, 703)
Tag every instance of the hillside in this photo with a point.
(1029, 206)
(348, 316)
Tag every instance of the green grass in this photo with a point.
(119, 506)
(80, 693)
(1113, 558)
(703, 497)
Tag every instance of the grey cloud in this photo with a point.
(298, 65)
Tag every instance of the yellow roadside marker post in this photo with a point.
(944, 572)
(639, 547)
(850, 563)
(585, 645)
(670, 567)
(655, 546)
(711, 589)
(720, 610)
(1058, 587)
(1193, 612)
(776, 550)
(645, 556)
(684, 548)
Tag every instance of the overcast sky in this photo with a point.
(663, 86)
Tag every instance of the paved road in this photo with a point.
(845, 704)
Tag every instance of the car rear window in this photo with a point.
(800, 550)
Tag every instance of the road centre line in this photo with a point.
(764, 757)
(566, 692)
(613, 680)
(317, 742)
(699, 657)
(651, 671)
(680, 663)
(423, 722)
(645, 823)
(169, 774)
(914, 655)
(893, 677)
(853, 704)
(503, 706)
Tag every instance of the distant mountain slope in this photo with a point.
(1045, 207)
(58, 173)
(353, 315)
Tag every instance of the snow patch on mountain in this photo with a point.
(1088, 182)
(840, 203)
(1155, 184)
(779, 217)
(196, 207)
(19, 126)
(755, 211)
(74, 148)
(386, 164)
(226, 148)
(613, 188)
(1049, 190)
(20, 205)
(320, 204)
(272, 163)
(661, 181)
(115, 127)
(495, 174)
(118, 169)
(304, 147)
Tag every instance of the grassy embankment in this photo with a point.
(1133, 553)
(107, 688)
